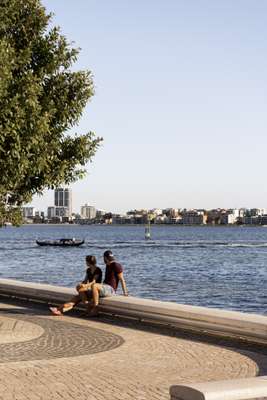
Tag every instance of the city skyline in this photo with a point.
(63, 198)
(90, 215)
(180, 101)
(77, 209)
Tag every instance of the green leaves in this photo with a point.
(41, 98)
(10, 214)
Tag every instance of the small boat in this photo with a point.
(61, 242)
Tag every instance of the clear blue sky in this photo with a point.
(181, 101)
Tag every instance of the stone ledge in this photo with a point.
(248, 326)
(236, 389)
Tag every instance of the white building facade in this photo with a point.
(28, 212)
(88, 212)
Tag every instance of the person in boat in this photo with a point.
(68, 241)
(93, 276)
(113, 276)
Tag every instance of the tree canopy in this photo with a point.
(41, 100)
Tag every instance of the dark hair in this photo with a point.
(108, 255)
(90, 260)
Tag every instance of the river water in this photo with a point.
(222, 267)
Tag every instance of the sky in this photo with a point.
(180, 101)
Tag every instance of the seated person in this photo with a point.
(113, 276)
(93, 275)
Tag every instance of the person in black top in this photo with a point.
(93, 275)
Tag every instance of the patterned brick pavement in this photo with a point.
(56, 358)
(57, 339)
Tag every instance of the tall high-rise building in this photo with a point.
(63, 202)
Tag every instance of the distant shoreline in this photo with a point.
(155, 225)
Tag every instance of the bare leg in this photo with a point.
(95, 293)
(83, 297)
(66, 306)
(70, 304)
(95, 298)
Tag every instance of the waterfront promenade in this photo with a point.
(45, 357)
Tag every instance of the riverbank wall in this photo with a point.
(251, 327)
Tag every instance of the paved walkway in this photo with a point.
(54, 358)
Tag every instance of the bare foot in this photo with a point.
(55, 311)
(67, 308)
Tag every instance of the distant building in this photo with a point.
(214, 216)
(263, 219)
(122, 219)
(254, 212)
(100, 213)
(28, 212)
(243, 212)
(155, 211)
(235, 212)
(193, 217)
(88, 212)
(253, 220)
(228, 219)
(63, 202)
(62, 212)
(178, 220)
(51, 212)
(171, 212)
(161, 219)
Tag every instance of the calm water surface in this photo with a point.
(215, 267)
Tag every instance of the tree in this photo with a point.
(41, 100)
